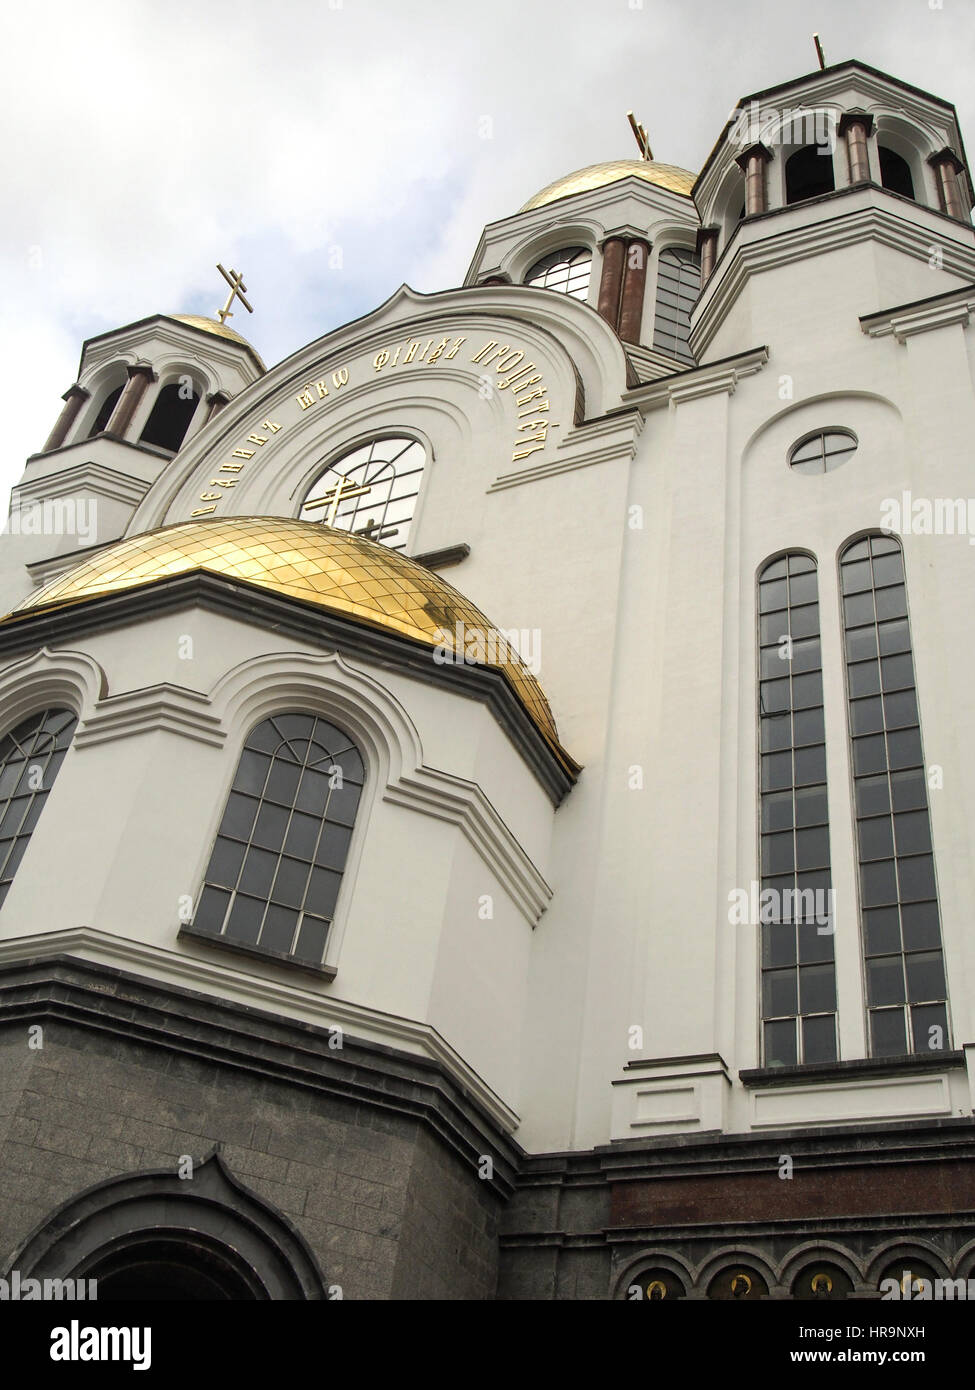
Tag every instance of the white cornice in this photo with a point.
(595, 441)
(89, 477)
(709, 380)
(904, 323)
(164, 706)
(194, 968)
(784, 245)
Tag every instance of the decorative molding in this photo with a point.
(785, 246)
(220, 986)
(604, 439)
(174, 708)
(925, 316)
(443, 558)
(47, 676)
(695, 382)
(89, 476)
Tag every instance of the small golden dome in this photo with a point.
(598, 175)
(311, 562)
(216, 327)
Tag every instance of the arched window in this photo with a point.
(566, 271)
(105, 411)
(798, 971)
(823, 451)
(678, 286)
(901, 927)
(379, 483)
(808, 173)
(276, 866)
(170, 417)
(895, 173)
(30, 757)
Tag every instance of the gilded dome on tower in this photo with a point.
(315, 564)
(598, 175)
(218, 329)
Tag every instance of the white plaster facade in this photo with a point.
(630, 541)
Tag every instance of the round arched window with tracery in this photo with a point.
(370, 491)
(566, 271)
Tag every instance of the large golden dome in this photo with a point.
(598, 175)
(311, 562)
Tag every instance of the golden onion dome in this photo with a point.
(598, 175)
(214, 326)
(313, 563)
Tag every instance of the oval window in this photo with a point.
(823, 451)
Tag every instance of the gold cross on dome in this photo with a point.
(641, 136)
(340, 492)
(237, 290)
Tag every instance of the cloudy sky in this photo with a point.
(143, 142)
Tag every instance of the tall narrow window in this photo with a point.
(808, 173)
(170, 417)
(276, 866)
(798, 972)
(904, 966)
(678, 286)
(30, 756)
(378, 484)
(895, 172)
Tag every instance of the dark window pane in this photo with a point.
(283, 782)
(311, 940)
(772, 595)
(334, 846)
(900, 709)
(808, 727)
(867, 716)
(891, 603)
(885, 980)
(778, 853)
(323, 890)
(882, 931)
(258, 873)
(864, 678)
(878, 884)
(858, 609)
(887, 569)
(778, 944)
(776, 733)
(913, 833)
(929, 1026)
(922, 928)
(815, 944)
(861, 644)
(272, 822)
(313, 793)
(876, 839)
(887, 1033)
(869, 754)
(225, 862)
(811, 806)
(289, 885)
(812, 849)
(302, 837)
(780, 992)
(775, 696)
(802, 589)
(781, 1048)
(294, 726)
(925, 976)
(916, 878)
(810, 765)
(819, 1039)
(856, 577)
(908, 790)
(897, 672)
(807, 690)
(211, 910)
(251, 772)
(239, 816)
(343, 803)
(350, 764)
(776, 771)
(904, 748)
(279, 928)
(872, 796)
(244, 922)
(17, 851)
(804, 622)
(817, 989)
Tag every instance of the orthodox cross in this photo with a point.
(341, 490)
(375, 531)
(819, 52)
(237, 289)
(641, 136)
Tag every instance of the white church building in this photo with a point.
(485, 809)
